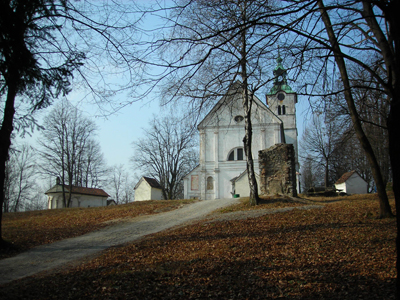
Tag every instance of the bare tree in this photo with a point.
(320, 139)
(37, 200)
(20, 178)
(310, 172)
(65, 146)
(211, 45)
(166, 153)
(44, 43)
(338, 34)
(91, 168)
(120, 185)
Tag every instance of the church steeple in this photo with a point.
(280, 80)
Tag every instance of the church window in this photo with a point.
(279, 109)
(231, 156)
(281, 96)
(236, 154)
(239, 154)
(238, 119)
(210, 183)
(283, 110)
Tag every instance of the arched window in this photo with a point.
(236, 154)
(283, 110)
(240, 154)
(210, 183)
(279, 109)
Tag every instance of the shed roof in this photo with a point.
(153, 182)
(345, 177)
(78, 190)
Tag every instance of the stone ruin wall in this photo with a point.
(277, 170)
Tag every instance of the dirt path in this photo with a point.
(64, 252)
(53, 255)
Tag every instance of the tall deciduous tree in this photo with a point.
(120, 185)
(166, 153)
(210, 46)
(21, 170)
(320, 139)
(321, 39)
(43, 43)
(338, 34)
(67, 148)
(24, 69)
(310, 173)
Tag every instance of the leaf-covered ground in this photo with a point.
(26, 230)
(339, 252)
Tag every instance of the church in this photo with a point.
(221, 172)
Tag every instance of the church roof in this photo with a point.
(280, 85)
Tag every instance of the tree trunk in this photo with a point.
(385, 210)
(247, 104)
(5, 143)
(394, 150)
(326, 173)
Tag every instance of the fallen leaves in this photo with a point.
(26, 230)
(330, 253)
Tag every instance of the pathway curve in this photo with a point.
(47, 257)
(54, 255)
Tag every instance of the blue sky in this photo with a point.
(117, 132)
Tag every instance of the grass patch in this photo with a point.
(25, 230)
(337, 252)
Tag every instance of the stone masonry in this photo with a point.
(277, 170)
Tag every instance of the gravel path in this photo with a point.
(67, 251)
(54, 255)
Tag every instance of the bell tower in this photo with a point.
(282, 100)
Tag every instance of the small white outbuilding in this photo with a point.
(351, 183)
(81, 196)
(148, 189)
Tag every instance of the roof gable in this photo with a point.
(231, 104)
(150, 181)
(346, 176)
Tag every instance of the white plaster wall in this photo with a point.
(356, 185)
(242, 186)
(229, 170)
(88, 201)
(156, 194)
(143, 192)
(341, 187)
(56, 201)
(220, 133)
(229, 138)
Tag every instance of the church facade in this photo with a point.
(221, 172)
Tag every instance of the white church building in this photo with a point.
(222, 166)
